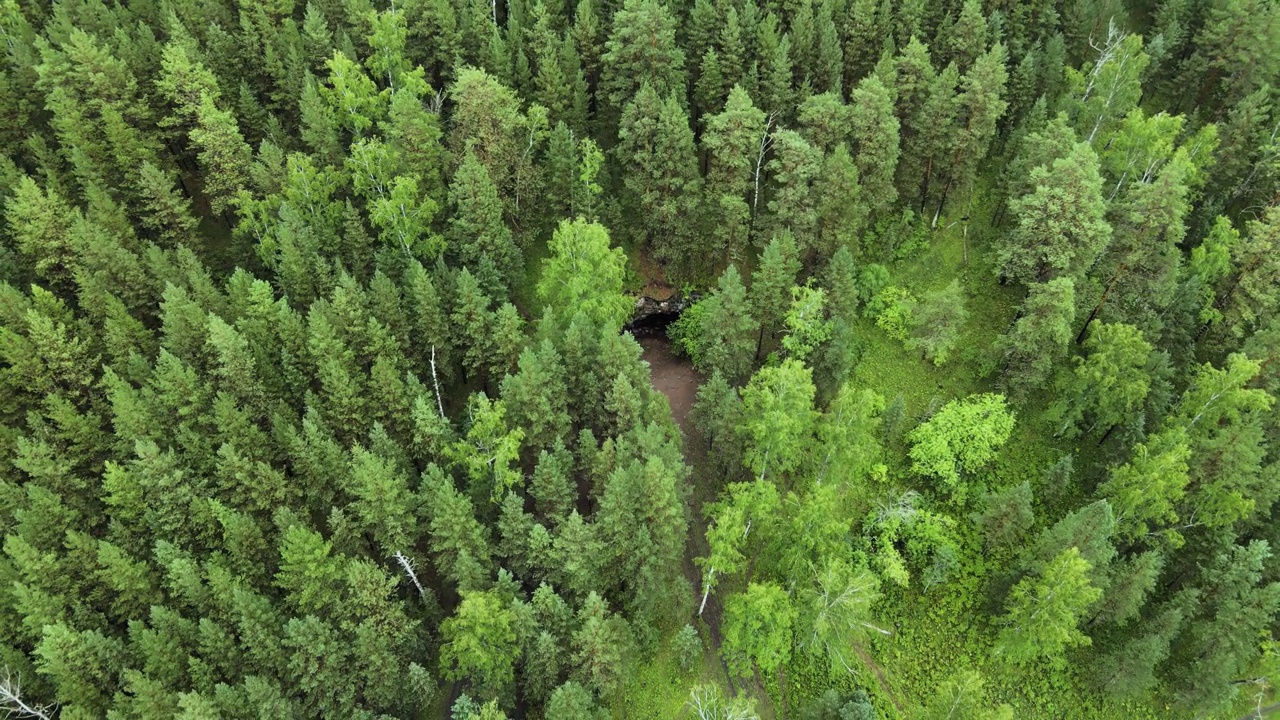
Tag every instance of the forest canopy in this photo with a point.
(715, 359)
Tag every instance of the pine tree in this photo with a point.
(459, 542)
(1222, 642)
(1039, 338)
(730, 143)
(1060, 225)
(478, 233)
(864, 29)
(968, 37)
(1043, 611)
(1130, 583)
(1006, 515)
(771, 284)
(794, 167)
(725, 344)
(641, 49)
(841, 208)
(654, 140)
(224, 155)
(536, 396)
(166, 212)
(1249, 292)
(874, 130)
(599, 644)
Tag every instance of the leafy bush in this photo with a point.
(891, 307)
(684, 332)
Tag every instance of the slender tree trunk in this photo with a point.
(1107, 434)
(1096, 308)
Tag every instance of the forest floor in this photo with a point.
(674, 377)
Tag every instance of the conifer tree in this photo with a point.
(1060, 225)
(730, 141)
(641, 49)
(1039, 338)
(478, 234)
(654, 140)
(1044, 611)
(771, 283)
(841, 208)
(874, 131)
(536, 396)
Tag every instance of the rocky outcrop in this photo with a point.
(651, 316)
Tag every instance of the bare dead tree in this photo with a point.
(766, 142)
(709, 703)
(436, 382)
(12, 704)
(407, 565)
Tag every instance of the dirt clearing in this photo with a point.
(673, 377)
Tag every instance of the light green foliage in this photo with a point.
(585, 273)
(962, 696)
(718, 332)
(757, 629)
(1102, 92)
(1222, 418)
(1108, 385)
(778, 418)
(688, 645)
(960, 439)
(1145, 490)
(480, 643)
(934, 323)
(891, 306)
(928, 537)
(489, 449)
(708, 702)
(314, 399)
(1043, 611)
(834, 614)
(806, 323)
(849, 434)
(351, 94)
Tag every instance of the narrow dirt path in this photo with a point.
(675, 378)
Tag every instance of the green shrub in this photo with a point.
(891, 307)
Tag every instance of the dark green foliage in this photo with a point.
(1006, 515)
(315, 398)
